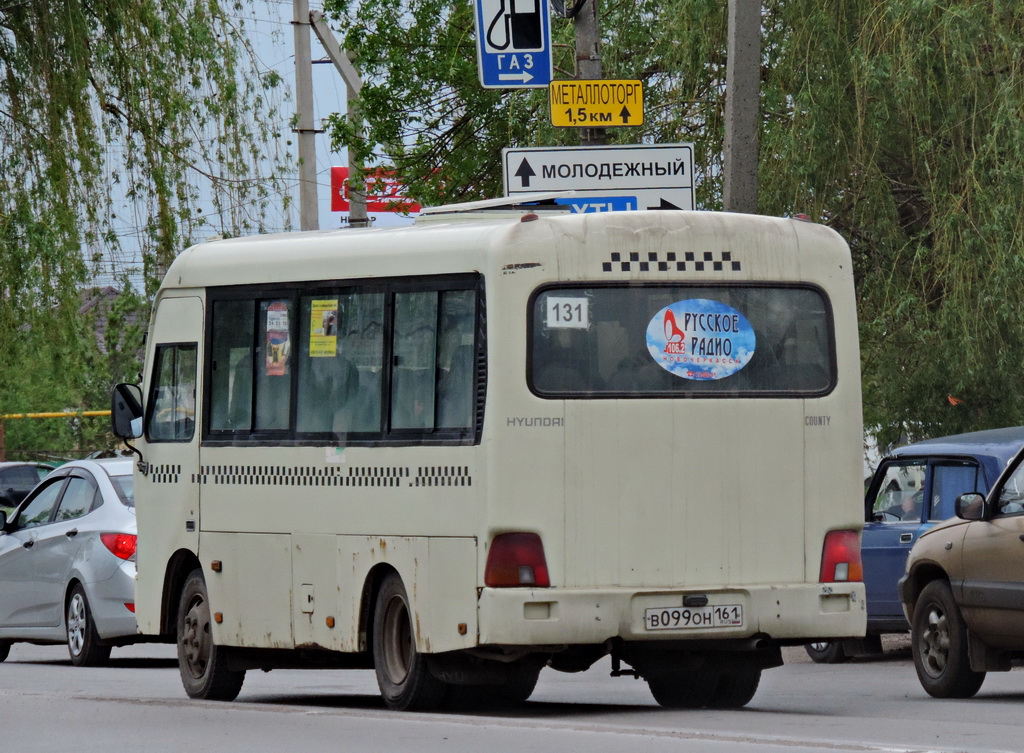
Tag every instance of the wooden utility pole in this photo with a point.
(588, 58)
(742, 107)
(309, 211)
(353, 83)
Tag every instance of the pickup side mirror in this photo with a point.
(126, 411)
(970, 506)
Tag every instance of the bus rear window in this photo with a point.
(681, 341)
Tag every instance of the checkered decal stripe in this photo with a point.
(166, 474)
(272, 475)
(691, 261)
(443, 476)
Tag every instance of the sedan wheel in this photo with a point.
(83, 642)
(826, 652)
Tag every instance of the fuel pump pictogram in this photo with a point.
(518, 25)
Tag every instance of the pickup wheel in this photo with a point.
(938, 637)
(826, 652)
(5, 649)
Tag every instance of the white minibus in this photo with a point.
(505, 438)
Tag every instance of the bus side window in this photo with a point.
(339, 368)
(455, 395)
(231, 351)
(415, 348)
(172, 413)
(432, 380)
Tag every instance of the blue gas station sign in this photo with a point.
(513, 43)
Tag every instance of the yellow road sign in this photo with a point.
(599, 103)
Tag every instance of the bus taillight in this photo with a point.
(840, 558)
(516, 559)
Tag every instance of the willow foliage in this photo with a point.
(153, 107)
(900, 123)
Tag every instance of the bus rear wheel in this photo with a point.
(405, 681)
(726, 688)
(201, 663)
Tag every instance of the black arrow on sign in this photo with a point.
(624, 114)
(665, 205)
(525, 172)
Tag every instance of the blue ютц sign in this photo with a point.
(589, 205)
(513, 43)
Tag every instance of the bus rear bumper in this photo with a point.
(554, 616)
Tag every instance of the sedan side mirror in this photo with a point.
(126, 411)
(970, 506)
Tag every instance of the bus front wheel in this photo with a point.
(202, 664)
(405, 681)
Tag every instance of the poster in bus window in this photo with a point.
(278, 346)
(323, 328)
(700, 339)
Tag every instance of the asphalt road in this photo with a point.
(137, 703)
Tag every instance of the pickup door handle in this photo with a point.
(906, 538)
(72, 533)
(29, 544)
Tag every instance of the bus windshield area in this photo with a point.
(681, 341)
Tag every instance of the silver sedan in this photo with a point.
(67, 562)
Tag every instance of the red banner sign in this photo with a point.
(384, 192)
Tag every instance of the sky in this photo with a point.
(269, 26)
(269, 23)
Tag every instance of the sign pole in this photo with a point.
(742, 107)
(588, 60)
(309, 217)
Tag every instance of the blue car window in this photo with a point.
(900, 493)
(948, 483)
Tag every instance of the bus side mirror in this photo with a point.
(126, 411)
(970, 506)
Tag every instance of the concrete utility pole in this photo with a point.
(742, 106)
(353, 83)
(309, 213)
(588, 58)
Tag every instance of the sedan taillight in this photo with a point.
(121, 545)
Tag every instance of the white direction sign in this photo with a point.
(606, 178)
(513, 43)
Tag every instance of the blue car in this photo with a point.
(913, 489)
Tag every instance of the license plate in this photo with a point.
(689, 618)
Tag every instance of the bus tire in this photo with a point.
(938, 641)
(684, 690)
(736, 687)
(405, 681)
(517, 689)
(202, 664)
